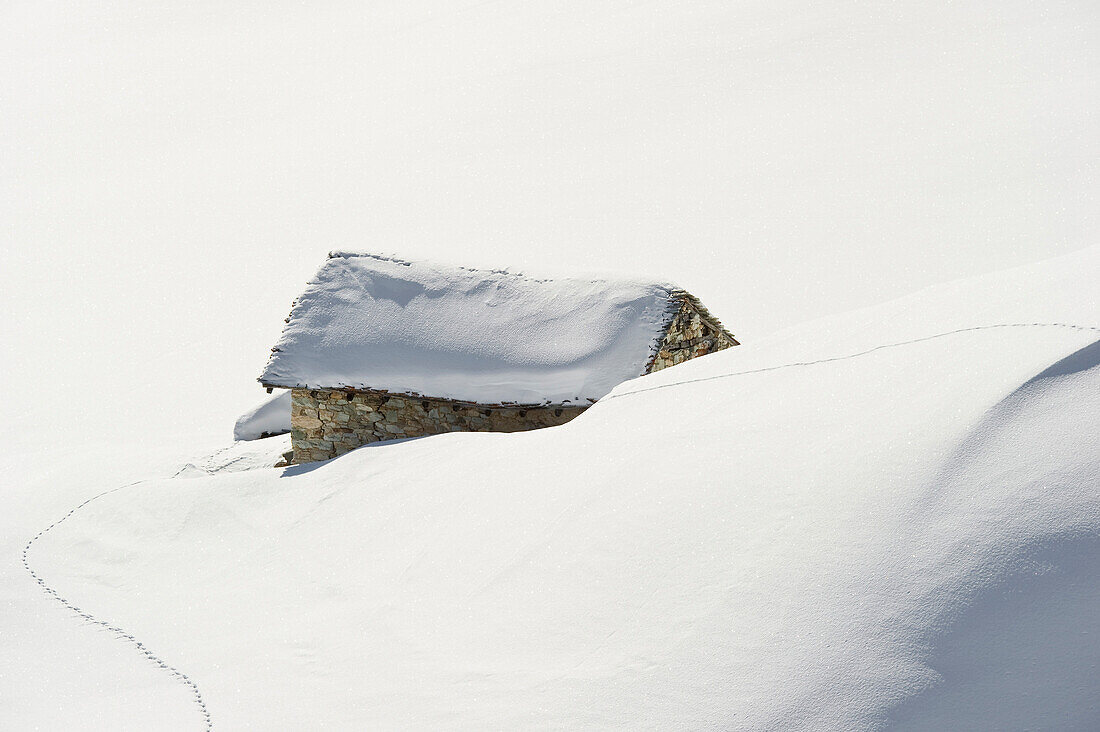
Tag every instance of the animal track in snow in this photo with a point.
(119, 632)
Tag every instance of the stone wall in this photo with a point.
(693, 332)
(327, 423)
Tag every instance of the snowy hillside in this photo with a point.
(880, 510)
(885, 518)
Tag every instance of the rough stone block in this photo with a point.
(323, 426)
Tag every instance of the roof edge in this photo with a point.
(550, 274)
(587, 402)
(704, 314)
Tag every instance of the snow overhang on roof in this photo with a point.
(494, 337)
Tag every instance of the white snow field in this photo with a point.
(883, 519)
(900, 538)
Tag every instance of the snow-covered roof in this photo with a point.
(270, 418)
(372, 322)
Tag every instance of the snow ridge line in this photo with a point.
(850, 355)
(119, 632)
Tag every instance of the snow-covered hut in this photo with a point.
(377, 349)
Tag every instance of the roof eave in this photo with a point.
(585, 402)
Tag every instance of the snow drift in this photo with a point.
(824, 531)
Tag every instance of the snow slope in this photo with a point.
(172, 173)
(887, 518)
(425, 328)
(56, 670)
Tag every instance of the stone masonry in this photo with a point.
(327, 423)
(693, 332)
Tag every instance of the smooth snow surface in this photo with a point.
(270, 417)
(57, 671)
(172, 173)
(373, 322)
(884, 519)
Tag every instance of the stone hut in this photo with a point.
(378, 348)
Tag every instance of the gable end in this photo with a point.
(692, 331)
